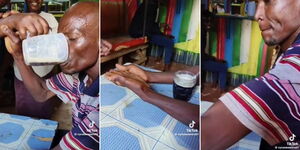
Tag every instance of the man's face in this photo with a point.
(278, 19)
(83, 43)
(34, 5)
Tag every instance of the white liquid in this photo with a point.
(185, 80)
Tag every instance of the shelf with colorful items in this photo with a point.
(239, 9)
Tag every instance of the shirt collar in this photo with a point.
(93, 89)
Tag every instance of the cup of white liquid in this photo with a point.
(45, 49)
(183, 85)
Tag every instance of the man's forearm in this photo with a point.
(34, 84)
(160, 77)
(167, 77)
(180, 110)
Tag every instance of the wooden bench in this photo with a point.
(137, 54)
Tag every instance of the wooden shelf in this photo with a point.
(234, 17)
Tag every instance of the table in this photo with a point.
(249, 142)
(127, 122)
(24, 133)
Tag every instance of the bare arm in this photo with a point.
(34, 84)
(182, 111)
(220, 128)
(154, 77)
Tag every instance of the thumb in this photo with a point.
(8, 32)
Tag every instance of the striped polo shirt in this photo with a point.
(85, 109)
(270, 105)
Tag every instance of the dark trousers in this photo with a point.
(219, 70)
(165, 45)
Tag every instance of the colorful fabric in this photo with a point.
(178, 19)
(236, 41)
(191, 45)
(170, 16)
(229, 42)
(270, 105)
(250, 68)
(131, 7)
(185, 20)
(245, 41)
(85, 128)
(213, 42)
(221, 39)
(194, 20)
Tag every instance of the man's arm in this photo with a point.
(220, 128)
(34, 84)
(182, 111)
(153, 77)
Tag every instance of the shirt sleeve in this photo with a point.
(269, 105)
(62, 85)
(85, 136)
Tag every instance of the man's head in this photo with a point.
(278, 19)
(80, 24)
(34, 5)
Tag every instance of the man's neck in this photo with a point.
(93, 73)
(290, 40)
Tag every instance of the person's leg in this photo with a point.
(219, 67)
(26, 105)
(223, 76)
(167, 44)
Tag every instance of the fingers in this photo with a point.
(115, 78)
(121, 67)
(8, 32)
(45, 26)
(9, 13)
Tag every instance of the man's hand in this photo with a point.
(105, 48)
(21, 23)
(134, 70)
(8, 13)
(12, 42)
(127, 79)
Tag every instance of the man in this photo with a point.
(25, 103)
(268, 105)
(136, 80)
(79, 80)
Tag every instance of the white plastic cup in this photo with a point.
(45, 49)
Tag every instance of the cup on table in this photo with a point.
(45, 49)
(183, 85)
